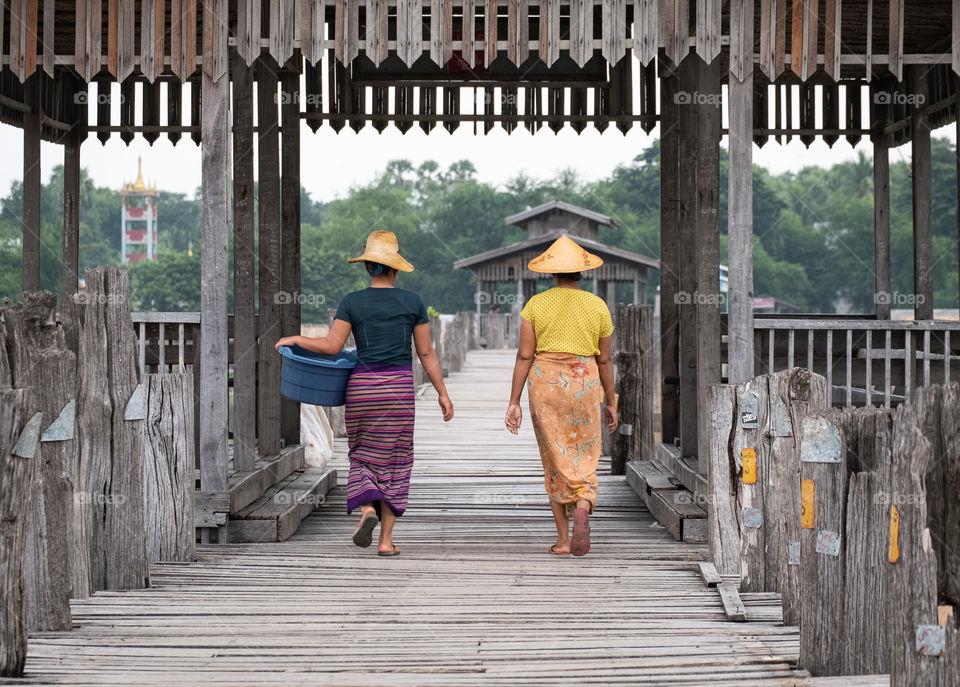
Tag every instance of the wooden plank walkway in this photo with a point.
(474, 599)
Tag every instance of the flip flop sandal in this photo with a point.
(580, 543)
(363, 535)
(394, 552)
(553, 550)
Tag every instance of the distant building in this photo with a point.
(138, 220)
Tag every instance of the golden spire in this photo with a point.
(139, 185)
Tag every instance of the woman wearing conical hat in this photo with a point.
(564, 357)
(379, 410)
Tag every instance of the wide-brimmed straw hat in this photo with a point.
(382, 247)
(564, 255)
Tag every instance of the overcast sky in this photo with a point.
(331, 163)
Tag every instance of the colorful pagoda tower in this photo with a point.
(138, 220)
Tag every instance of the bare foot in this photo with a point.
(559, 550)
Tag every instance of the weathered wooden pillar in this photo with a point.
(268, 146)
(688, 89)
(290, 315)
(213, 266)
(669, 256)
(740, 193)
(17, 488)
(707, 303)
(71, 213)
(30, 265)
(610, 294)
(244, 263)
(920, 165)
(881, 209)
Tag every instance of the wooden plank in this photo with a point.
(438, 31)
(581, 31)
(722, 504)
(70, 253)
(376, 32)
(881, 227)
(281, 30)
(468, 31)
(30, 251)
(80, 62)
(48, 29)
(126, 46)
(212, 12)
(244, 266)
(15, 59)
(39, 358)
(490, 28)
(409, 31)
(732, 605)
(645, 30)
(669, 259)
(245, 488)
(832, 39)
(613, 30)
(17, 485)
(708, 30)
(797, 42)
(148, 12)
(811, 26)
(213, 408)
(921, 176)
(113, 18)
(767, 37)
(268, 368)
(248, 29)
(523, 32)
(895, 44)
(290, 230)
(29, 33)
(176, 39)
(168, 468)
(751, 421)
(211, 508)
(708, 572)
(780, 49)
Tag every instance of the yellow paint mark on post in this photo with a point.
(806, 504)
(749, 460)
(893, 551)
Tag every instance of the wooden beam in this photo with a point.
(71, 213)
(689, 84)
(920, 164)
(740, 193)
(268, 369)
(669, 258)
(707, 305)
(290, 228)
(30, 265)
(213, 275)
(881, 227)
(244, 262)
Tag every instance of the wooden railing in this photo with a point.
(166, 340)
(865, 362)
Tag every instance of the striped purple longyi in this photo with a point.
(379, 417)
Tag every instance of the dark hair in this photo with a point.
(375, 269)
(569, 276)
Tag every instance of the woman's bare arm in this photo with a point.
(431, 365)
(331, 344)
(605, 368)
(525, 352)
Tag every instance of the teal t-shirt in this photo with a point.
(382, 321)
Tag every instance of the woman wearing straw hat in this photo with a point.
(380, 397)
(564, 357)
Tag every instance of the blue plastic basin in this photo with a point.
(314, 378)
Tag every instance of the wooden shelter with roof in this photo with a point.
(878, 72)
(544, 224)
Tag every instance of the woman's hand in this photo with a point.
(610, 415)
(446, 407)
(514, 418)
(288, 341)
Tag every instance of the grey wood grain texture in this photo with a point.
(753, 575)
(290, 229)
(669, 259)
(244, 273)
(921, 176)
(124, 550)
(881, 227)
(633, 331)
(168, 466)
(269, 253)
(723, 505)
(18, 487)
(823, 575)
(30, 219)
(248, 29)
(39, 359)
(71, 229)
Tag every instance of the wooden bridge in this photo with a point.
(474, 599)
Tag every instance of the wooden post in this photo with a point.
(213, 276)
(687, 219)
(71, 214)
(740, 193)
(244, 262)
(39, 358)
(669, 258)
(169, 468)
(707, 305)
(920, 165)
(17, 486)
(268, 370)
(290, 228)
(30, 265)
(881, 226)
(611, 294)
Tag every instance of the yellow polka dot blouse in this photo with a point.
(568, 321)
